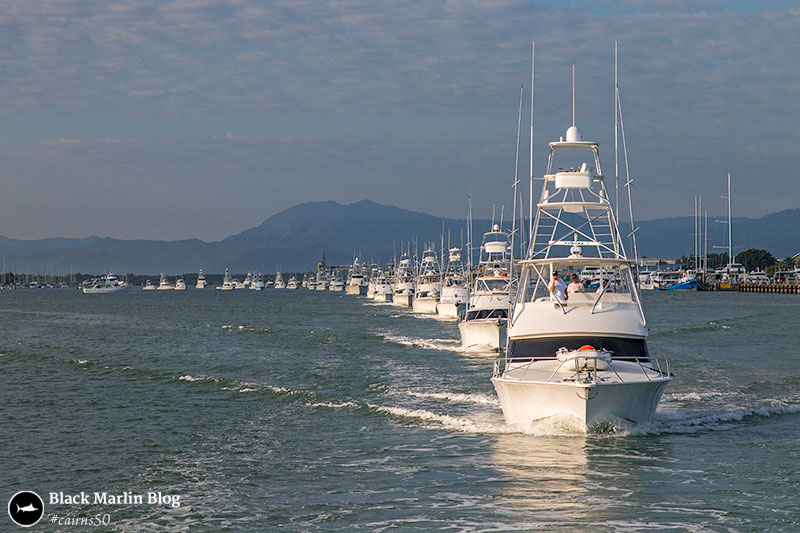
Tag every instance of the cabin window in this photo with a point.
(620, 348)
(487, 313)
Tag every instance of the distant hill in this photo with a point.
(294, 240)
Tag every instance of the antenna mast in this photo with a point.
(530, 210)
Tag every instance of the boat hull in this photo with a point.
(524, 402)
(382, 297)
(402, 300)
(101, 290)
(356, 290)
(450, 309)
(426, 305)
(482, 334)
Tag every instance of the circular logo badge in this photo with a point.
(25, 508)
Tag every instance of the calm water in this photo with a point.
(319, 411)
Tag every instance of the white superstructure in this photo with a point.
(357, 282)
(201, 280)
(403, 282)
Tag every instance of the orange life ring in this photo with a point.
(586, 347)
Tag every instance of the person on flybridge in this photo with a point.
(558, 288)
(575, 286)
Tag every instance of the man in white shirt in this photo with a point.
(575, 286)
(558, 287)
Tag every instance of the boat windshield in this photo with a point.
(618, 347)
(611, 279)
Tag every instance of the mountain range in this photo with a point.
(296, 238)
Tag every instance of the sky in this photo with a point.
(180, 119)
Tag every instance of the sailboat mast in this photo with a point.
(616, 132)
(730, 226)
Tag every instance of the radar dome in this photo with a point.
(496, 227)
(574, 134)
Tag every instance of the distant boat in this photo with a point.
(103, 284)
(257, 282)
(201, 280)
(149, 286)
(403, 283)
(428, 284)
(484, 324)
(383, 288)
(279, 283)
(165, 284)
(455, 288)
(292, 284)
(357, 282)
(180, 285)
(227, 282)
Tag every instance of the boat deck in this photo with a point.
(555, 371)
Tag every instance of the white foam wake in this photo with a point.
(483, 399)
(431, 344)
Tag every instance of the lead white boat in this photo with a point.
(483, 327)
(357, 282)
(403, 283)
(201, 280)
(455, 287)
(583, 354)
(428, 284)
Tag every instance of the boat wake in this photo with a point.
(450, 345)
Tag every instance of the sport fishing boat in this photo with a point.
(227, 282)
(148, 286)
(201, 280)
(292, 283)
(256, 282)
(428, 284)
(455, 287)
(165, 284)
(582, 354)
(357, 282)
(403, 283)
(180, 284)
(484, 324)
(279, 283)
(103, 284)
(383, 288)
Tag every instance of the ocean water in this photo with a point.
(311, 411)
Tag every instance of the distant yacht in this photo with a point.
(484, 324)
(149, 286)
(428, 284)
(256, 282)
(279, 284)
(322, 281)
(201, 280)
(227, 282)
(107, 283)
(455, 287)
(336, 284)
(180, 285)
(165, 284)
(357, 283)
(383, 288)
(292, 283)
(403, 283)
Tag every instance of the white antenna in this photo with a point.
(516, 182)
(730, 225)
(573, 95)
(616, 134)
(530, 210)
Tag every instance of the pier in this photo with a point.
(778, 288)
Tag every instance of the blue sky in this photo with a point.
(182, 119)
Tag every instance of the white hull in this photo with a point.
(402, 300)
(200, 285)
(382, 297)
(101, 290)
(336, 288)
(483, 334)
(523, 402)
(450, 309)
(426, 305)
(356, 290)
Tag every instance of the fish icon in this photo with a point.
(27, 509)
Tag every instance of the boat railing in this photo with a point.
(588, 372)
